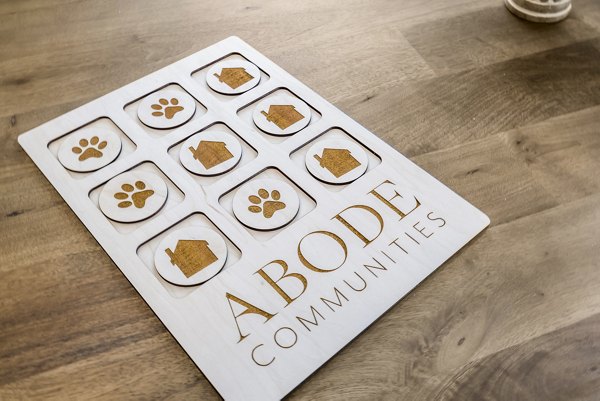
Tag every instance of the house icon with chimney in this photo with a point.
(337, 161)
(211, 153)
(234, 77)
(282, 115)
(191, 256)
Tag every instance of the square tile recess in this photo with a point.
(174, 197)
(248, 153)
(305, 203)
(232, 61)
(99, 127)
(147, 251)
(151, 103)
(299, 156)
(250, 114)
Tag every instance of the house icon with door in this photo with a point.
(234, 77)
(337, 161)
(211, 153)
(282, 116)
(191, 256)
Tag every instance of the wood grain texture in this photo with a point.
(505, 112)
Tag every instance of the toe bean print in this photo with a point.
(166, 108)
(266, 204)
(89, 149)
(133, 196)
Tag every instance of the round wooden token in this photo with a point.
(232, 77)
(166, 108)
(336, 161)
(89, 149)
(190, 256)
(210, 153)
(133, 196)
(281, 115)
(265, 204)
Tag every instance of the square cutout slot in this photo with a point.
(147, 251)
(246, 112)
(307, 204)
(298, 156)
(132, 110)
(174, 197)
(103, 124)
(199, 76)
(248, 153)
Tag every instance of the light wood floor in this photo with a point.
(505, 112)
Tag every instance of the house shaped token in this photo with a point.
(337, 161)
(191, 256)
(282, 115)
(234, 77)
(211, 153)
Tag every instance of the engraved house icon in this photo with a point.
(282, 115)
(191, 256)
(211, 153)
(337, 161)
(234, 77)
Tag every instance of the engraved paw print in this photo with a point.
(137, 198)
(262, 204)
(163, 108)
(91, 148)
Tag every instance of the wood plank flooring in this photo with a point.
(503, 111)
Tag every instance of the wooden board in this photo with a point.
(512, 316)
(296, 295)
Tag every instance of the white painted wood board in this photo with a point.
(386, 231)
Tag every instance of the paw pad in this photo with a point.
(88, 149)
(137, 198)
(265, 203)
(166, 108)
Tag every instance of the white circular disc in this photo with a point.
(232, 77)
(336, 161)
(265, 204)
(166, 108)
(210, 153)
(281, 115)
(133, 196)
(89, 149)
(190, 256)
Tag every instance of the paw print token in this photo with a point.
(281, 115)
(336, 161)
(190, 256)
(133, 196)
(89, 149)
(232, 77)
(265, 204)
(166, 109)
(210, 153)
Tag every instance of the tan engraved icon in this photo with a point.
(137, 198)
(211, 153)
(191, 256)
(261, 203)
(282, 115)
(165, 107)
(337, 161)
(88, 149)
(234, 77)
